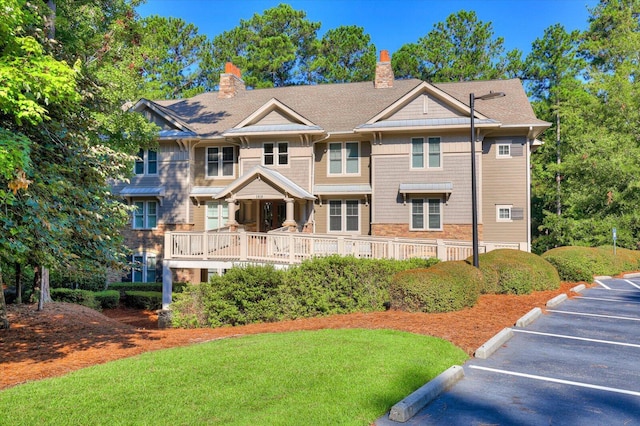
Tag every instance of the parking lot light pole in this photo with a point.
(474, 194)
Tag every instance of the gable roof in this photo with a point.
(275, 180)
(345, 107)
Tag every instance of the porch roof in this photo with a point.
(279, 181)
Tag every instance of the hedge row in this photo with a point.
(447, 286)
(508, 271)
(583, 263)
(317, 287)
(149, 300)
(123, 287)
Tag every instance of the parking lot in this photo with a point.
(577, 364)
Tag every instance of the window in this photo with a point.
(275, 154)
(503, 213)
(217, 215)
(344, 216)
(145, 214)
(344, 158)
(220, 161)
(426, 214)
(146, 163)
(504, 150)
(144, 268)
(418, 152)
(434, 152)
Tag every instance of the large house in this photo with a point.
(359, 161)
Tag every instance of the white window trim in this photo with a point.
(425, 214)
(427, 153)
(343, 159)
(220, 162)
(144, 270)
(498, 155)
(145, 161)
(424, 158)
(276, 154)
(343, 216)
(507, 207)
(145, 214)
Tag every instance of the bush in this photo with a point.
(583, 263)
(79, 297)
(508, 271)
(108, 299)
(447, 286)
(123, 287)
(149, 300)
(319, 286)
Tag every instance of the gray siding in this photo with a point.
(505, 183)
(391, 171)
(415, 109)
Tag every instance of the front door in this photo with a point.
(272, 215)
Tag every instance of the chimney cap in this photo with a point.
(230, 68)
(384, 56)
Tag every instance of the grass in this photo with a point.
(326, 377)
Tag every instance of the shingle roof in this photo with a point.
(343, 107)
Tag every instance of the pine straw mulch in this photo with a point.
(66, 337)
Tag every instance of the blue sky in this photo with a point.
(390, 23)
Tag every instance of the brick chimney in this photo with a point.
(384, 72)
(230, 82)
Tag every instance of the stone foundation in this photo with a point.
(450, 232)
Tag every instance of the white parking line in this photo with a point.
(613, 289)
(632, 283)
(605, 299)
(594, 315)
(560, 381)
(585, 339)
(602, 284)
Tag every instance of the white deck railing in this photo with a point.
(290, 248)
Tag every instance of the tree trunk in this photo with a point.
(18, 268)
(4, 321)
(45, 294)
(51, 20)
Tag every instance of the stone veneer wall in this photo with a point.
(450, 232)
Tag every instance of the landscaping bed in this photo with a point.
(66, 337)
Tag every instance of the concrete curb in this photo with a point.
(601, 277)
(578, 288)
(408, 407)
(557, 300)
(529, 317)
(632, 275)
(492, 345)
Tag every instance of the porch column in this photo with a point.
(232, 223)
(290, 220)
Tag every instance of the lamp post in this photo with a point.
(474, 194)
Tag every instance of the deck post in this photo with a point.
(441, 250)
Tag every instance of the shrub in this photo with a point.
(108, 299)
(79, 297)
(319, 286)
(150, 300)
(444, 287)
(583, 263)
(508, 271)
(123, 287)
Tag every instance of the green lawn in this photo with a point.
(327, 377)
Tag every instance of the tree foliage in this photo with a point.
(271, 49)
(344, 54)
(460, 49)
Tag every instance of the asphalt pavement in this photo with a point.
(576, 364)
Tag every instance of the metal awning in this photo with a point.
(445, 188)
(133, 191)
